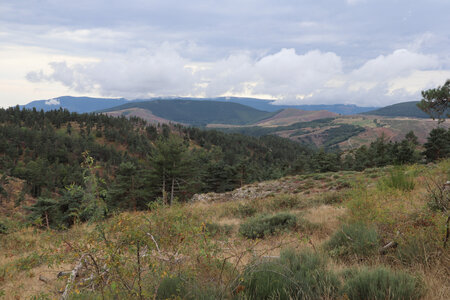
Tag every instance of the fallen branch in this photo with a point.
(388, 246)
(72, 277)
(63, 273)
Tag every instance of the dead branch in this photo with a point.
(72, 277)
(167, 256)
(388, 246)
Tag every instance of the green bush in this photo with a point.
(353, 239)
(397, 179)
(292, 276)
(262, 225)
(382, 284)
(171, 287)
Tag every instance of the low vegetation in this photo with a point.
(360, 242)
(263, 225)
(352, 241)
(382, 283)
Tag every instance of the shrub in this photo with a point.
(383, 284)
(333, 197)
(342, 184)
(170, 288)
(3, 228)
(397, 179)
(262, 225)
(421, 248)
(245, 210)
(285, 201)
(31, 261)
(217, 229)
(438, 195)
(353, 239)
(293, 276)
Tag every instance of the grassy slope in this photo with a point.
(200, 112)
(324, 200)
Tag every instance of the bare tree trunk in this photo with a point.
(172, 189)
(138, 254)
(46, 220)
(133, 198)
(164, 188)
(447, 231)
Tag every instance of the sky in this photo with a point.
(363, 52)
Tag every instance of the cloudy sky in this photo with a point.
(365, 52)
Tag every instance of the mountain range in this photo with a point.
(255, 117)
(88, 104)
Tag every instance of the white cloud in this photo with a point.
(290, 77)
(138, 73)
(53, 101)
(399, 63)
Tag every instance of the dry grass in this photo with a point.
(394, 213)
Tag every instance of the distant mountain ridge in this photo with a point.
(89, 104)
(76, 104)
(199, 113)
(403, 109)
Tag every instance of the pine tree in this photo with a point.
(438, 144)
(128, 190)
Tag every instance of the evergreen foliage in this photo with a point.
(436, 102)
(438, 144)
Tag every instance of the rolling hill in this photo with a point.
(404, 109)
(199, 113)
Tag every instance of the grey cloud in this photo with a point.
(330, 51)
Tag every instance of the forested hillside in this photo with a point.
(58, 154)
(200, 113)
(135, 199)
